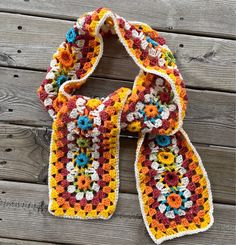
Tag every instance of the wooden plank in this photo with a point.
(32, 145)
(24, 208)
(208, 63)
(213, 17)
(6, 241)
(209, 116)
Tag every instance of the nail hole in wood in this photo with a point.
(18, 51)
(0, 219)
(3, 162)
(10, 110)
(16, 76)
(19, 27)
(170, 28)
(181, 45)
(8, 150)
(181, 18)
(26, 0)
(3, 192)
(9, 136)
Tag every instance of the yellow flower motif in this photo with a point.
(181, 228)
(93, 26)
(53, 169)
(112, 184)
(53, 156)
(54, 193)
(96, 50)
(173, 77)
(93, 103)
(53, 182)
(81, 214)
(104, 214)
(166, 157)
(111, 209)
(70, 212)
(170, 231)
(159, 234)
(92, 214)
(54, 146)
(112, 173)
(113, 161)
(146, 28)
(117, 105)
(93, 60)
(134, 126)
(113, 140)
(114, 119)
(146, 208)
(102, 12)
(54, 127)
(111, 196)
(195, 159)
(149, 219)
(54, 205)
(59, 212)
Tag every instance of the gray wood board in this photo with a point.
(213, 17)
(210, 115)
(7, 241)
(32, 145)
(204, 62)
(24, 215)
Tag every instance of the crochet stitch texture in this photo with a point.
(173, 188)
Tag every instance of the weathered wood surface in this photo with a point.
(26, 204)
(6, 241)
(210, 115)
(213, 17)
(204, 62)
(199, 33)
(32, 145)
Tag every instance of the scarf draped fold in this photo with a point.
(172, 184)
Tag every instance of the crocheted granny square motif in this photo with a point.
(84, 157)
(172, 184)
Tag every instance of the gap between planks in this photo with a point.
(212, 18)
(23, 69)
(26, 204)
(210, 115)
(32, 144)
(9, 241)
(203, 62)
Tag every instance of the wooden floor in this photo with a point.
(201, 34)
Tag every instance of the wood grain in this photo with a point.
(6, 241)
(200, 34)
(26, 204)
(213, 17)
(204, 62)
(32, 145)
(210, 116)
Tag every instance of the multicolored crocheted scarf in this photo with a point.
(172, 184)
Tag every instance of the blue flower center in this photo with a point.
(61, 79)
(82, 159)
(154, 43)
(71, 35)
(162, 140)
(84, 123)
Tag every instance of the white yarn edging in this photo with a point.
(140, 141)
(183, 233)
(165, 76)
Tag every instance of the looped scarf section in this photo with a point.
(172, 184)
